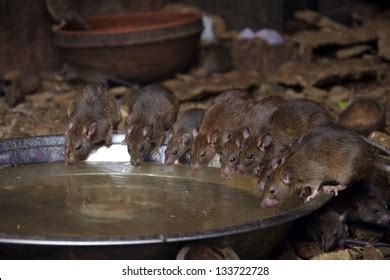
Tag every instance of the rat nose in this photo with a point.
(240, 169)
(168, 161)
(70, 161)
(225, 172)
(195, 167)
(135, 162)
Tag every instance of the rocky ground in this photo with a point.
(319, 59)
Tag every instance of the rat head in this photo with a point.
(78, 141)
(203, 148)
(178, 145)
(250, 155)
(230, 153)
(277, 187)
(370, 210)
(138, 140)
(332, 229)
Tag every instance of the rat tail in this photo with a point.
(377, 145)
(383, 164)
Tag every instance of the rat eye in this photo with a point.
(272, 191)
(249, 157)
(141, 149)
(174, 153)
(232, 160)
(78, 147)
(375, 210)
(203, 154)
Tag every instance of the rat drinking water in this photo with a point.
(180, 136)
(254, 120)
(223, 116)
(288, 122)
(92, 115)
(153, 113)
(329, 157)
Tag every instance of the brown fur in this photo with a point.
(325, 154)
(153, 113)
(223, 115)
(180, 138)
(92, 116)
(288, 122)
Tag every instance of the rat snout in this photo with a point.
(327, 244)
(135, 162)
(226, 172)
(268, 203)
(385, 220)
(195, 167)
(70, 160)
(260, 185)
(240, 169)
(168, 161)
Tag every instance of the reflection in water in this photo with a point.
(114, 200)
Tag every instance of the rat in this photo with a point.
(92, 115)
(71, 72)
(180, 136)
(329, 157)
(223, 116)
(24, 84)
(64, 13)
(254, 120)
(327, 227)
(153, 113)
(369, 209)
(215, 58)
(289, 121)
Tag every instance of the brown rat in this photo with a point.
(224, 115)
(255, 119)
(327, 227)
(154, 111)
(92, 115)
(215, 58)
(180, 136)
(63, 12)
(71, 72)
(329, 157)
(24, 84)
(291, 119)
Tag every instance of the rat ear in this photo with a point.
(185, 138)
(246, 133)
(226, 136)
(147, 131)
(90, 131)
(286, 175)
(276, 162)
(212, 138)
(195, 131)
(264, 142)
(342, 216)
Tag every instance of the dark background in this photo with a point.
(26, 40)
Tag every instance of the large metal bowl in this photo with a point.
(33, 227)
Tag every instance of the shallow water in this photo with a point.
(116, 200)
